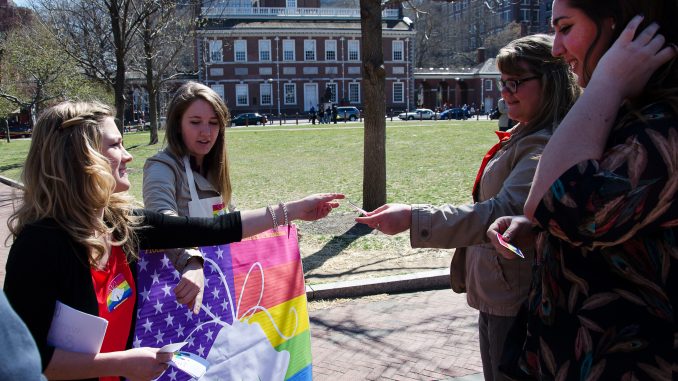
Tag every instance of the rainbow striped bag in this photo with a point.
(254, 322)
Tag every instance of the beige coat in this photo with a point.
(494, 285)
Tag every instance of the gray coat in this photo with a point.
(494, 285)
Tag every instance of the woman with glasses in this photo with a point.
(538, 90)
(605, 295)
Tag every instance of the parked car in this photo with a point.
(348, 113)
(420, 113)
(16, 131)
(249, 119)
(455, 113)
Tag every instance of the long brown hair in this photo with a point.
(663, 85)
(216, 160)
(559, 89)
(68, 180)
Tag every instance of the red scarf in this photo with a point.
(503, 136)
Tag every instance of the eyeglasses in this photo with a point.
(511, 85)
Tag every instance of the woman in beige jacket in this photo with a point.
(538, 90)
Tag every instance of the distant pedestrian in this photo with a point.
(335, 112)
(321, 114)
(311, 114)
(503, 115)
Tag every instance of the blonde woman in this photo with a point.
(77, 232)
(538, 90)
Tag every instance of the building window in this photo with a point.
(240, 48)
(216, 51)
(266, 94)
(353, 50)
(242, 95)
(398, 92)
(354, 92)
(290, 93)
(219, 89)
(288, 50)
(309, 50)
(398, 50)
(331, 50)
(488, 85)
(291, 3)
(333, 88)
(264, 50)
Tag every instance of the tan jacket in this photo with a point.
(494, 285)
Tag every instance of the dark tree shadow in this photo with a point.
(335, 246)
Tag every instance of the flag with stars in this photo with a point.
(254, 320)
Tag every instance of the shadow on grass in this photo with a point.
(11, 166)
(335, 246)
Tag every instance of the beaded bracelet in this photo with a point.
(284, 209)
(275, 220)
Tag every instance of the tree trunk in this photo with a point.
(119, 45)
(374, 156)
(151, 87)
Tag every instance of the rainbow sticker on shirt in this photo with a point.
(119, 291)
(218, 209)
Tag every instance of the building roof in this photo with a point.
(487, 69)
(295, 26)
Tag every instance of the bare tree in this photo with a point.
(35, 72)
(98, 34)
(166, 35)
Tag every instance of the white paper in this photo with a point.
(194, 365)
(172, 347)
(76, 331)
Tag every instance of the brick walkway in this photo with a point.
(429, 335)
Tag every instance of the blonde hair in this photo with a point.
(559, 89)
(216, 161)
(67, 179)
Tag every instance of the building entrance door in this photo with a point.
(310, 96)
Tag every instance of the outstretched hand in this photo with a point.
(641, 57)
(313, 207)
(389, 219)
(516, 230)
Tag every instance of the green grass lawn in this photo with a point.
(427, 162)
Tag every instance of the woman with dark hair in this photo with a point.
(605, 293)
(538, 90)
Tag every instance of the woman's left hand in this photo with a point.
(190, 289)
(313, 207)
(630, 62)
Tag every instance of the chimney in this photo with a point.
(481, 55)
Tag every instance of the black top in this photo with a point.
(45, 265)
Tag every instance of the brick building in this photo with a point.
(283, 57)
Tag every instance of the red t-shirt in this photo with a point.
(116, 296)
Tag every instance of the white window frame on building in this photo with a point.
(290, 93)
(242, 94)
(266, 94)
(240, 51)
(309, 50)
(333, 86)
(398, 48)
(219, 89)
(291, 4)
(354, 50)
(288, 50)
(488, 85)
(330, 50)
(354, 92)
(216, 51)
(398, 96)
(265, 50)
